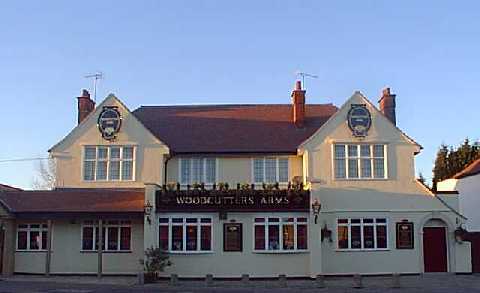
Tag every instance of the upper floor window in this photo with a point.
(270, 170)
(198, 170)
(360, 161)
(32, 237)
(114, 163)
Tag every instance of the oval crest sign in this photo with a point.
(359, 120)
(109, 122)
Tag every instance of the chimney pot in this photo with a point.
(387, 105)
(85, 105)
(298, 101)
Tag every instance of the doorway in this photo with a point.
(435, 249)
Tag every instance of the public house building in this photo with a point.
(299, 189)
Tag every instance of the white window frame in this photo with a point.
(106, 225)
(280, 224)
(184, 225)
(277, 172)
(43, 227)
(359, 158)
(204, 166)
(108, 160)
(361, 225)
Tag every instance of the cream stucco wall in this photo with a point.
(149, 151)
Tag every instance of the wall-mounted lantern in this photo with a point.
(460, 234)
(147, 208)
(316, 206)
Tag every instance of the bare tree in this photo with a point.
(46, 175)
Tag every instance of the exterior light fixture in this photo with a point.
(326, 233)
(316, 206)
(147, 208)
(460, 234)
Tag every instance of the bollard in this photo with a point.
(357, 281)
(396, 280)
(141, 278)
(320, 281)
(173, 279)
(245, 279)
(209, 280)
(282, 280)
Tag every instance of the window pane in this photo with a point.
(342, 237)
(197, 170)
(114, 172)
(258, 170)
(44, 239)
(191, 237)
(87, 241)
(378, 168)
(378, 151)
(259, 237)
(339, 151)
(35, 240)
(125, 236)
(352, 169)
(185, 171)
(115, 153)
(22, 240)
(101, 170)
(163, 220)
(89, 170)
(270, 170)
(127, 170)
(353, 151)
(288, 237)
(340, 171)
(283, 170)
(366, 168)
(191, 220)
(273, 237)
(102, 153)
(382, 236)
(211, 166)
(127, 153)
(365, 150)
(177, 238)
(112, 238)
(206, 238)
(163, 238)
(90, 153)
(368, 241)
(302, 239)
(356, 238)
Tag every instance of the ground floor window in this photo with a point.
(185, 234)
(32, 237)
(280, 233)
(366, 233)
(116, 236)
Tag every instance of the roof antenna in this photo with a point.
(95, 76)
(302, 75)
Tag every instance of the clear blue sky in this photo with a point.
(166, 52)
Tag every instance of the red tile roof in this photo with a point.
(470, 170)
(74, 201)
(4, 187)
(232, 128)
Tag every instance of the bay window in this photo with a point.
(362, 234)
(108, 163)
(116, 236)
(185, 234)
(280, 234)
(360, 161)
(31, 237)
(270, 170)
(198, 170)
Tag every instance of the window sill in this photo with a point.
(191, 252)
(361, 179)
(106, 251)
(362, 250)
(280, 251)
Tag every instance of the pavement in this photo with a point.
(417, 283)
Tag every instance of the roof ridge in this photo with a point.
(465, 172)
(226, 105)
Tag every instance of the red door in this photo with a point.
(434, 249)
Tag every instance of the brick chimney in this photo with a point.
(298, 102)
(387, 105)
(85, 105)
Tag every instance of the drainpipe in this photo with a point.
(165, 167)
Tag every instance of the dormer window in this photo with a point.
(360, 161)
(108, 163)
